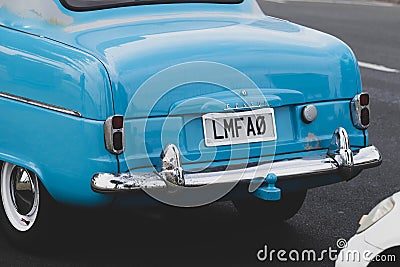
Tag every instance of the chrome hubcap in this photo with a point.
(22, 190)
(20, 196)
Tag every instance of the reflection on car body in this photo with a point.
(185, 100)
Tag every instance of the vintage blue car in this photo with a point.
(183, 102)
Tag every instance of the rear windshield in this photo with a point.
(85, 5)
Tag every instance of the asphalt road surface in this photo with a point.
(215, 236)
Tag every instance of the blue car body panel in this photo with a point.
(80, 150)
(55, 74)
(293, 136)
(94, 64)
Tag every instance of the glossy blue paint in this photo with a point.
(64, 151)
(269, 191)
(275, 59)
(53, 73)
(140, 41)
(94, 64)
(186, 131)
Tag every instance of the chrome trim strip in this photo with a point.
(40, 104)
(244, 106)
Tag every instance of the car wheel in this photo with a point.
(23, 205)
(254, 209)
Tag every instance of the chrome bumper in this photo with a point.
(339, 160)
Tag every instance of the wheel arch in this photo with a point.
(29, 165)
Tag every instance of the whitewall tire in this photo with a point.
(19, 196)
(26, 207)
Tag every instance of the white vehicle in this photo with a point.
(378, 232)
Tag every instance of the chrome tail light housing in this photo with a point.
(360, 113)
(114, 135)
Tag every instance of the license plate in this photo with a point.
(239, 127)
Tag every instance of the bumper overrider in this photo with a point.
(339, 160)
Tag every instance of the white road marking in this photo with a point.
(376, 67)
(276, 1)
(343, 2)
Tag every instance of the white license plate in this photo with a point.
(239, 127)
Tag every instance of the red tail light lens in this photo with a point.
(117, 140)
(118, 122)
(364, 99)
(365, 117)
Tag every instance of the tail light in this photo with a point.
(360, 111)
(114, 134)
